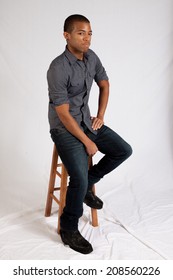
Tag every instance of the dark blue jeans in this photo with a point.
(73, 155)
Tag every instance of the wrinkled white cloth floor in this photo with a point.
(141, 229)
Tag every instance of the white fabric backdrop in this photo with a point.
(134, 41)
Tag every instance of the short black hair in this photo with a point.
(68, 24)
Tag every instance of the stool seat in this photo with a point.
(63, 175)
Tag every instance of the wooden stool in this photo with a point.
(63, 175)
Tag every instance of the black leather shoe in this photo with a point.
(93, 201)
(76, 241)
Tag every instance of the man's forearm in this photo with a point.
(72, 126)
(98, 121)
(103, 101)
(103, 98)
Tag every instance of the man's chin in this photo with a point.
(85, 49)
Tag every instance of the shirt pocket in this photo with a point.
(76, 86)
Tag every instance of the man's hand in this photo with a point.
(91, 148)
(96, 123)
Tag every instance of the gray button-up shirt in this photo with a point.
(69, 82)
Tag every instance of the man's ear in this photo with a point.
(66, 35)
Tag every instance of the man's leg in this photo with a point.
(75, 159)
(116, 151)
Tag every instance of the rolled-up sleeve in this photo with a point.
(57, 84)
(100, 71)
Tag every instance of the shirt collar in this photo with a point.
(72, 58)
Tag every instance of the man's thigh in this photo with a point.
(71, 151)
(109, 142)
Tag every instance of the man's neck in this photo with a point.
(78, 55)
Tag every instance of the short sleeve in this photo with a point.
(100, 71)
(57, 84)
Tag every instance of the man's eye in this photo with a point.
(83, 33)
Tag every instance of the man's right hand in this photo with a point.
(91, 148)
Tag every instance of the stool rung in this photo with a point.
(55, 198)
(58, 173)
(57, 189)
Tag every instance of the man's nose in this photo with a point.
(87, 38)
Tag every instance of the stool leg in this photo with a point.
(51, 182)
(93, 211)
(63, 191)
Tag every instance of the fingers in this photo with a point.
(96, 123)
(91, 148)
(92, 152)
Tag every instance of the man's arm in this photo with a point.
(103, 101)
(72, 126)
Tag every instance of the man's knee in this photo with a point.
(79, 179)
(128, 150)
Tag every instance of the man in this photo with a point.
(76, 134)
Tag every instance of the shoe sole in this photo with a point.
(92, 206)
(82, 252)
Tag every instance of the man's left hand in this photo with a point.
(96, 123)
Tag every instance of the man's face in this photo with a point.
(79, 39)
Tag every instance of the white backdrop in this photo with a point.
(134, 39)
